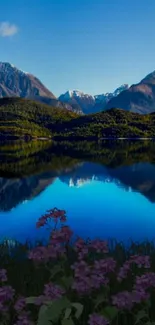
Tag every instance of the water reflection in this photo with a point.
(112, 184)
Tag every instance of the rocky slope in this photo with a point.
(14, 82)
(139, 98)
(17, 83)
(87, 103)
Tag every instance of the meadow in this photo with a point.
(68, 281)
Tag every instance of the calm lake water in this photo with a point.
(108, 189)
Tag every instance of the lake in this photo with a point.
(107, 189)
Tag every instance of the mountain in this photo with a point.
(139, 98)
(87, 103)
(27, 168)
(79, 101)
(25, 118)
(17, 83)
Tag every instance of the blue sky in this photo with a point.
(91, 45)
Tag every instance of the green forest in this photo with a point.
(25, 118)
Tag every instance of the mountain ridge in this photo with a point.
(88, 103)
(17, 83)
(138, 98)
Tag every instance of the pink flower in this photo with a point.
(139, 296)
(62, 235)
(123, 272)
(82, 285)
(52, 291)
(105, 265)
(53, 214)
(140, 261)
(97, 280)
(79, 244)
(6, 293)
(96, 319)
(39, 254)
(81, 268)
(23, 319)
(145, 281)
(42, 221)
(20, 304)
(100, 246)
(123, 300)
(83, 253)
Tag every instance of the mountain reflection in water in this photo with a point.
(36, 176)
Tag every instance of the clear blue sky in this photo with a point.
(91, 45)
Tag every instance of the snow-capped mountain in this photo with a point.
(88, 103)
(79, 100)
(17, 83)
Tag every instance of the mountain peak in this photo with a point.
(139, 98)
(17, 83)
(88, 103)
(75, 93)
(12, 67)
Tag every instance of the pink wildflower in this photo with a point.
(52, 291)
(20, 304)
(123, 300)
(145, 281)
(105, 265)
(100, 246)
(81, 268)
(6, 293)
(23, 319)
(96, 319)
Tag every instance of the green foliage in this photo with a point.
(52, 312)
(25, 118)
(140, 316)
(110, 312)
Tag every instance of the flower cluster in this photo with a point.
(51, 292)
(62, 235)
(145, 281)
(105, 266)
(6, 296)
(53, 214)
(126, 299)
(96, 319)
(24, 319)
(81, 248)
(20, 304)
(99, 246)
(44, 254)
(89, 277)
(89, 269)
(6, 293)
(140, 261)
